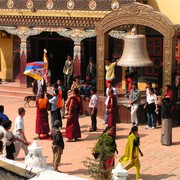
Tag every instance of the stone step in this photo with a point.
(15, 88)
(12, 96)
(14, 91)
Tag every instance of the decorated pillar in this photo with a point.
(168, 60)
(23, 78)
(23, 59)
(23, 45)
(100, 41)
(77, 58)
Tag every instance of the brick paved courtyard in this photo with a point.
(159, 162)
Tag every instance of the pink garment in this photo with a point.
(129, 80)
(113, 113)
(169, 94)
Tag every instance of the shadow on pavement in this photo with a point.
(121, 137)
(121, 129)
(78, 171)
(84, 126)
(143, 135)
(62, 164)
(92, 136)
(175, 143)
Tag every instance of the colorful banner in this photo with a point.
(36, 70)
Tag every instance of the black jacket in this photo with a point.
(92, 73)
(57, 138)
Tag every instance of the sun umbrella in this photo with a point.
(36, 70)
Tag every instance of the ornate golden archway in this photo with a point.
(136, 13)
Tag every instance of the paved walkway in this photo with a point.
(159, 162)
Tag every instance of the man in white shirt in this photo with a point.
(93, 109)
(151, 109)
(148, 86)
(110, 86)
(19, 132)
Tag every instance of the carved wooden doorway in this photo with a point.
(136, 13)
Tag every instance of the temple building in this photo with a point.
(87, 28)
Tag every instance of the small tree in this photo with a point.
(99, 167)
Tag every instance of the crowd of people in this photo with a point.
(66, 100)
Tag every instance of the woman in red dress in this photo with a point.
(168, 92)
(112, 110)
(42, 124)
(168, 95)
(167, 116)
(73, 106)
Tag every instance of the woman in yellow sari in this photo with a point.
(132, 151)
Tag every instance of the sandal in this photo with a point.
(37, 138)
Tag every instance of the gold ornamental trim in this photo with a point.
(55, 13)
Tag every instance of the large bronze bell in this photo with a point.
(135, 52)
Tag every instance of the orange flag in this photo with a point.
(45, 59)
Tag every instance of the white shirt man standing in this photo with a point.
(93, 109)
(19, 132)
(135, 98)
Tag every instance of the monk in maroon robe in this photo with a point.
(112, 110)
(42, 124)
(73, 106)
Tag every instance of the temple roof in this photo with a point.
(58, 16)
(45, 21)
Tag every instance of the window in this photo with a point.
(154, 47)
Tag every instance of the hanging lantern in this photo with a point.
(135, 52)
